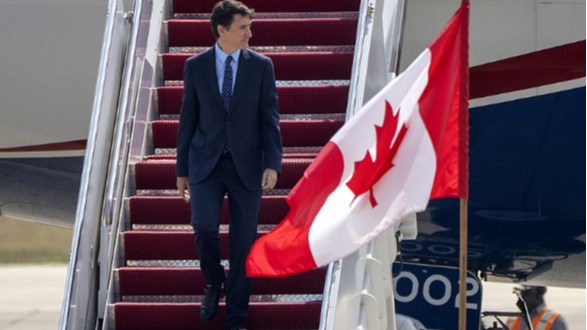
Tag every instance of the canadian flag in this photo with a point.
(407, 145)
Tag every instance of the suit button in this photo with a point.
(227, 123)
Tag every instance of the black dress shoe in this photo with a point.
(237, 326)
(209, 306)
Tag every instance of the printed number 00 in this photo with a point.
(426, 290)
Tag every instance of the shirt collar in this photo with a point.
(222, 55)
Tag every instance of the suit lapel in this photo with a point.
(241, 77)
(213, 77)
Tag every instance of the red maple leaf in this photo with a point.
(368, 172)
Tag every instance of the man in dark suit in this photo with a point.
(228, 143)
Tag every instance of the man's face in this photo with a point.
(237, 35)
(532, 299)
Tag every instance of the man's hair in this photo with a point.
(224, 11)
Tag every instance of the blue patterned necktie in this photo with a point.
(227, 83)
(227, 93)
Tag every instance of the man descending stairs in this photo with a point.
(161, 286)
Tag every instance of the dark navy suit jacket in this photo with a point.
(251, 125)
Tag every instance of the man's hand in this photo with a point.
(184, 188)
(269, 178)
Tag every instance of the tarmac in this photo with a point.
(31, 297)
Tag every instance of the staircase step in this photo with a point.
(160, 174)
(299, 31)
(307, 133)
(288, 66)
(141, 281)
(167, 245)
(173, 210)
(205, 6)
(271, 49)
(262, 316)
(301, 152)
(293, 99)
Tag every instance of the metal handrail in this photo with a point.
(398, 37)
(117, 168)
(91, 179)
(375, 63)
(332, 280)
(148, 18)
(505, 314)
(359, 63)
(118, 159)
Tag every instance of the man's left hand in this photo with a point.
(269, 178)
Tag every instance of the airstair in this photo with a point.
(136, 266)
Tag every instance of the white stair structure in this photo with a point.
(358, 292)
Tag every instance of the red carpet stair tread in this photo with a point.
(160, 174)
(305, 133)
(294, 99)
(288, 66)
(260, 6)
(161, 285)
(154, 210)
(167, 245)
(262, 315)
(268, 32)
(155, 281)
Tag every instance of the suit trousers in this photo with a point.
(206, 200)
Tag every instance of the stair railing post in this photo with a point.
(112, 209)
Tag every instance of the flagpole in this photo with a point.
(463, 266)
(464, 165)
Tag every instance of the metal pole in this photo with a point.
(463, 266)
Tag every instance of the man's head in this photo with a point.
(231, 24)
(532, 295)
